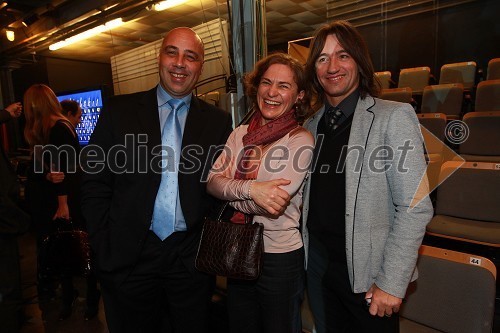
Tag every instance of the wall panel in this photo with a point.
(137, 69)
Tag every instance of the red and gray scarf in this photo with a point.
(259, 135)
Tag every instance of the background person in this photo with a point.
(72, 110)
(270, 188)
(13, 222)
(52, 200)
(145, 226)
(364, 237)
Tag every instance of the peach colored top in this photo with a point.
(288, 158)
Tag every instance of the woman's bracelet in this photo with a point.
(249, 187)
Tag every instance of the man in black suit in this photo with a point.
(13, 222)
(147, 275)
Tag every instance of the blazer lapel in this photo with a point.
(360, 131)
(312, 123)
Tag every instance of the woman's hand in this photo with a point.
(62, 208)
(62, 212)
(270, 196)
(55, 177)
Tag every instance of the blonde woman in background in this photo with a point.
(54, 193)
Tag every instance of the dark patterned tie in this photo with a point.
(332, 117)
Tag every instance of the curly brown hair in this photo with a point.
(252, 81)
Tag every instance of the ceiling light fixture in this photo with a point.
(162, 5)
(10, 35)
(87, 34)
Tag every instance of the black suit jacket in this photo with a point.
(13, 220)
(118, 198)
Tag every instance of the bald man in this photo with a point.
(145, 216)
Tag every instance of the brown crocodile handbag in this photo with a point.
(230, 249)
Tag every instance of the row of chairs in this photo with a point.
(477, 137)
(448, 98)
(418, 78)
(467, 203)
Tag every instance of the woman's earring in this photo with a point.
(297, 105)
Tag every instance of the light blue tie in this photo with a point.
(166, 199)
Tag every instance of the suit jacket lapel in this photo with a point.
(149, 119)
(195, 123)
(360, 131)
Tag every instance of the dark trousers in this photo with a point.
(161, 294)
(334, 306)
(272, 302)
(317, 263)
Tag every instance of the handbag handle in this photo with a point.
(248, 220)
(62, 224)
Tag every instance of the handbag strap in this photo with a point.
(223, 208)
(64, 225)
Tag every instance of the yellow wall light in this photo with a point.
(10, 35)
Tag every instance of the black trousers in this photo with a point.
(335, 307)
(270, 304)
(161, 294)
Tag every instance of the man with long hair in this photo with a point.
(360, 229)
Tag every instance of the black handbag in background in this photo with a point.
(230, 249)
(66, 251)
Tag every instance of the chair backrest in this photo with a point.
(488, 96)
(443, 98)
(470, 192)
(460, 72)
(384, 78)
(493, 69)
(455, 292)
(436, 124)
(397, 94)
(484, 134)
(415, 78)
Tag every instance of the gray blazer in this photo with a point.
(384, 167)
